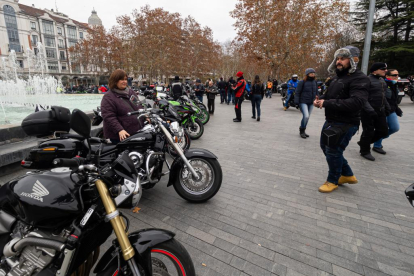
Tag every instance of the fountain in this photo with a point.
(21, 95)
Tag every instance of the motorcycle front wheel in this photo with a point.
(203, 116)
(169, 258)
(203, 188)
(195, 130)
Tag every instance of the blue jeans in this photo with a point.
(200, 98)
(288, 99)
(230, 95)
(256, 100)
(393, 127)
(337, 164)
(306, 110)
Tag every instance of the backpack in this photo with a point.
(247, 87)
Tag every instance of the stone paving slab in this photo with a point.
(269, 218)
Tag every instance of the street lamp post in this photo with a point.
(368, 35)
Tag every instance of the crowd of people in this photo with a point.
(351, 98)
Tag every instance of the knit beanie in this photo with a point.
(239, 74)
(309, 71)
(377, 65)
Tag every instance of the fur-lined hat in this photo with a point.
(350, 52)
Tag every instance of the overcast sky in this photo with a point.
(212, 13)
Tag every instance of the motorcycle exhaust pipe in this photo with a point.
(16, 245)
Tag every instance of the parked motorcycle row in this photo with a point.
(53, 221)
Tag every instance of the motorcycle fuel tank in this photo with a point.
(42, 199)
(144, 138)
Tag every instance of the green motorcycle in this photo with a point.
(184, 115)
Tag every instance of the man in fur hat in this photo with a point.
(346, 96)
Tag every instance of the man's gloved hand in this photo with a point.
(399, 112)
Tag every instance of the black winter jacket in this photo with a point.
(392, 95)
(346, 96)
(222, 85)
(376, 96)
(306, 92)
(258, 89)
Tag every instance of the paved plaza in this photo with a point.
(269, 218)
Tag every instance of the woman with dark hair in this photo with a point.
(256, 97)
(305, 94)
(115, 106)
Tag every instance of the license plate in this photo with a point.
(401, 93)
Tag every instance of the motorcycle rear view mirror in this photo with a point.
(124, 167)
(409, 192)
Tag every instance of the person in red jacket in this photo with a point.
(239, 91)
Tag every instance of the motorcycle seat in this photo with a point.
(105, 148)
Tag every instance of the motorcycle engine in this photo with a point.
(31, 260)
(137, 158)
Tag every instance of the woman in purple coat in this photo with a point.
(115, 105)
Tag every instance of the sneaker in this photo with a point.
(347, 179)
(258, 119)
(285, 108)
(237, 121)
(379, 150)
(368, 156)
(253, 117)
(327, 187)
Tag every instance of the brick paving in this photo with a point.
(269, 219)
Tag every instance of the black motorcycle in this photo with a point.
(54, 222)
(195, 174)
(291, 101)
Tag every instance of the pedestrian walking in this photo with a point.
(239, 93)
(375, 111)
(211, 92)
(305, 94)
(199, 90)
(222, 89)
(269, 89)
(256, 97)
(274, 86)
(230, 91)
(395, 112)
(343, 101)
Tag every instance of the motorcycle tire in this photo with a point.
(195, 131)
(171, 250)
(399, 99)
(202, 106)
(204, 116)
(212, 173)
(185, 145)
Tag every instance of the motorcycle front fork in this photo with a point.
(113, 215)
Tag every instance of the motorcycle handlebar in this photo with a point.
(66, 162)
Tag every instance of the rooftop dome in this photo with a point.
(94, 19)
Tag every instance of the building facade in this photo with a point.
(21, 27)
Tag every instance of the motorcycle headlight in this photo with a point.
(176, 129)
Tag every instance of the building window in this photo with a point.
(50, 53)
(64, 66)
(50, 42)
(53, 67)
(33, 25)
(59, 30)
(61, 44)
(11, 25)
(72, 32)
(62, 55)
(72, 42)
(80, 35)
(20, 62)
(36, 51)
(35, 39)
(48, 27)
